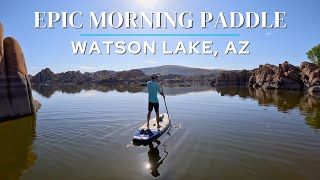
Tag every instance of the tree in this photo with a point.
(314, 54)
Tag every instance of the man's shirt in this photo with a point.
(153, 89)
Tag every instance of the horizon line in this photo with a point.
(159, 35)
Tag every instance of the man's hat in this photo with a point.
(154, 75)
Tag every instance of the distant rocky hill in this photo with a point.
(46, 76)
(180, 70)
(135, 76)
(169, 73)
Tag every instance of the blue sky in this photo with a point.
(52, 47)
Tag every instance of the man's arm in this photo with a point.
(160, 92)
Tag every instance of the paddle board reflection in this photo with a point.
(154, 158)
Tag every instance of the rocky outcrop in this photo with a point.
(44, 76)
(71, 77)
(285, 76)
(131, 74)
(15, 93)
(19, 89)
(227, 78)
(268, 76)
(310, 73)
(263, 74)
(244, 77)
(252, 81)
(5, 109)
(233, 78)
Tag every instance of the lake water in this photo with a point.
(84, 132)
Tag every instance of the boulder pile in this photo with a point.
(15, 91)
(233, 78)
(268, 76)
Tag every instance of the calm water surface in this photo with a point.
(84, 132)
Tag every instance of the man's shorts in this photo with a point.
(153, 105)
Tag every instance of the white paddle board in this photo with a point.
(144, 136)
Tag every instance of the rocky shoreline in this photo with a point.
(268, 76)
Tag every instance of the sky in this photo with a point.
(52, 47)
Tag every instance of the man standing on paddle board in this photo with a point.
(153, 90)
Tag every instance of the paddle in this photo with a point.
(165, 103)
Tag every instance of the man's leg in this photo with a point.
(150, 107)
(156, 108)
(158, 119)
(148, 118)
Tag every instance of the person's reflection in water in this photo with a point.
(155, 159)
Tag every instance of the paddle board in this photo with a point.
(144, 136)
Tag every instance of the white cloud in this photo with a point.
(34, 67)
(203, 67)
(87, 67)
(227, 67)
(268, 34)
(150, 61)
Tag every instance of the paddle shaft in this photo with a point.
(165, 103)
